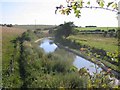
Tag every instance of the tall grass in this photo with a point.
(8, 51)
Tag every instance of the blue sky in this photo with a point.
(26, 12)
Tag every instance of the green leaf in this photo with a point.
(101, 3)
(74, 7)
(109, 4)
(88, 2)
(77, 11)
(81, 3)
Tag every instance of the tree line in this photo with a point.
(6, 25)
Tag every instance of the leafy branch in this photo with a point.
(76, 6)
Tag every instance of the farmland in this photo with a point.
(9, 34)
(33, 27)
(95, 28)
(98, 41)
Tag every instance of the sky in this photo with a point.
(43, 12)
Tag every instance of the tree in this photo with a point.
(77, 5)
(64, 29)
(105, 33)
(9, 25)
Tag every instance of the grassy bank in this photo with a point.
(94, 54)
(50, 70)
(8, 52)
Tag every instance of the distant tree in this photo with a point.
(9, 25)
(64, 29)
(102, 30)
(90, 26)
(105, 33)
(118, 35)
(111, 30)
(111, 34)
(3, 24)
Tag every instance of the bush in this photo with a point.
(28, 36)
(74, 80)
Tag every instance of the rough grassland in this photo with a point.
(32, 27)
(108, 44)
(9, 34)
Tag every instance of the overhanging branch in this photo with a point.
(114, 10)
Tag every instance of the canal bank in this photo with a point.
(48, 44)
(89, 58)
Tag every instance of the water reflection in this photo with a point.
(48, 45)
(79, 62)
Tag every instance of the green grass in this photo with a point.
(94, 28)
(108, 44)
(9, 34)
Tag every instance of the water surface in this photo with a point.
(48, 45)
(79, 62)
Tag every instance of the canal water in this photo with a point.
(49, 46)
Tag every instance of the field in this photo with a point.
(95, 28)
(108, 44)
(98, 41)
(9, 34)
(33, 27)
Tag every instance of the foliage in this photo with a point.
(7, 25)
(98, 50)
(78, 5)
(28, 36)
(64, 29)
(35, 69)
(10, 56)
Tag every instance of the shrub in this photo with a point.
(73, 80)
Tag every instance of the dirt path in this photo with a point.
(38, 40)
(41, 39)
